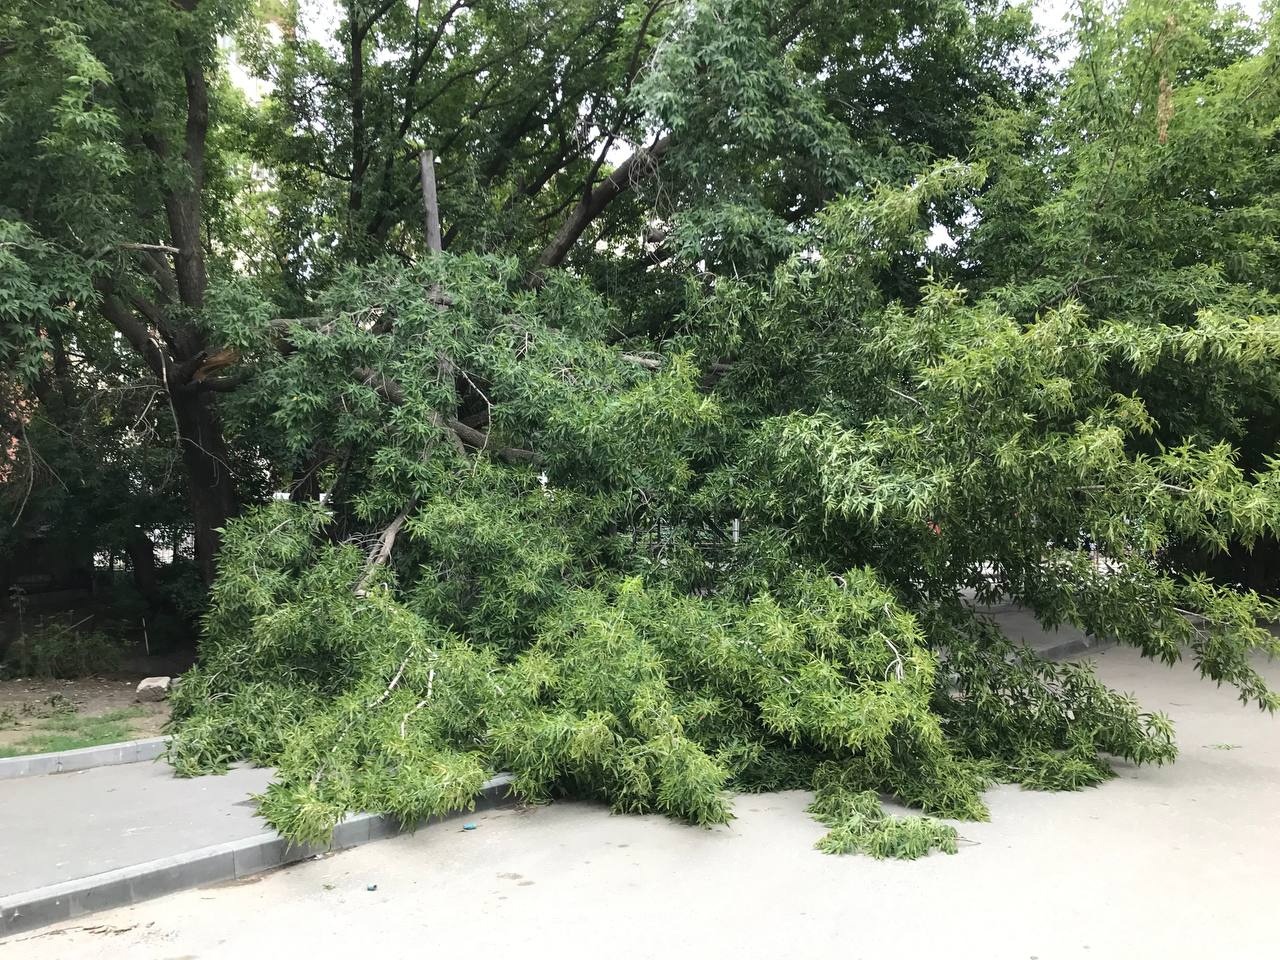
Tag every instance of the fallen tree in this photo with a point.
(676, 590)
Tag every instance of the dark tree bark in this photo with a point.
(142, 558)
(211, 488)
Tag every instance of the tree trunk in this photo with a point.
(177, 355)
(142, 558)
(210, 485)
(635, 168)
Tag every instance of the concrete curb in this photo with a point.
(66, 761)
(21, 912)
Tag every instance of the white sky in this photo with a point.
(1052, 14)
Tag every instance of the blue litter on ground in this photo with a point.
(468, 826)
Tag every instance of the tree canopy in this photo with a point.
(760, 343)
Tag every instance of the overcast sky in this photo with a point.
(1052, 14)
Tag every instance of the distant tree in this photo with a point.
(1146, 192)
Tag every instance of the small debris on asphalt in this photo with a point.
(372, 887)
(468, 826)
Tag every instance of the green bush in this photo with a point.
(57, 649)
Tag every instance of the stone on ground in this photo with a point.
(153, 688)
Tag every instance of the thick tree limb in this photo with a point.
(637, 167)
(132, 329)
(710, 377)
(651, 363)
(162, 273)
(480, 441)
(158, 247)
(382, 385)
(382, 551)
(439, 422)
(156, 317)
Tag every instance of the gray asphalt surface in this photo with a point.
(1172, 862)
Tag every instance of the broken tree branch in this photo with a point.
(450, 433)
(651, 363)
(161, 247)
(480, 441)
(382, 553)
(430, 204)
(133, 329)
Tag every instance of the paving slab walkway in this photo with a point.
(72, 825)
(1020, 624)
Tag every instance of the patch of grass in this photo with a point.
(71, 731)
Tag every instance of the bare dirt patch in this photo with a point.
(36, 710)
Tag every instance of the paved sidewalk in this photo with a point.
(1019, 623)
(72, 825)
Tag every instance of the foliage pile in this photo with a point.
(634, 694)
